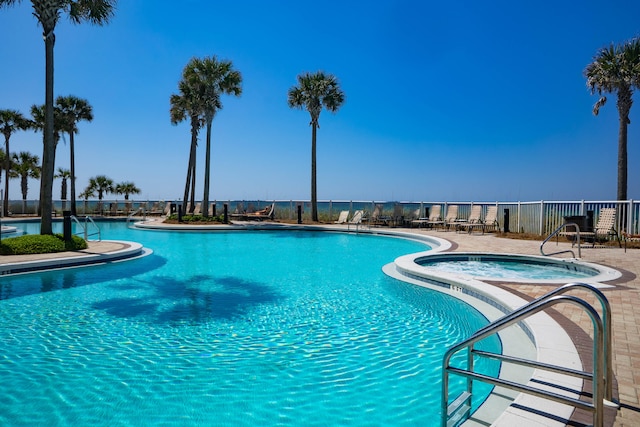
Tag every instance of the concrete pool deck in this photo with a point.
(624, 298)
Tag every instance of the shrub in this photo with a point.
(173, 219)
(40, 244)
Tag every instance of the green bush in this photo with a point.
(40, 244)
(195, 218)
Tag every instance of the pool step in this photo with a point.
(458, 409)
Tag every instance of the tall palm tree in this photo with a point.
(63, 174)
(616, 69)
(181, 106)
(209, 78)
(25, 166)
(102, 185)
(10, 121)
(48, 12)
(38, 123)
(72, 111)
(126, 188)
(313, 92)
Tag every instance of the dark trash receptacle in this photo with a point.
(582, 222)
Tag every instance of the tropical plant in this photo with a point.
(72, 111)
(48, 12)
(126, 188)
(313, 92)
(25, 166)
(63, 174)
(38, 123)
(616, 69)
(183, 105)
(85, 195)
(101, 185)
(208, 79)
(10, 121)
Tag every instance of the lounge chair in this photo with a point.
(376, 217)
(434, 218)
(197, 210)
(266, 213)
(474, 218)
(356, 219)
(605, 227)
(490, 221)
(344, 215)
(451, 218)
(629, 237)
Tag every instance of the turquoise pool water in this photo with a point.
(221, 329)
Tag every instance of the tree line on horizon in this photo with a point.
(615, 70)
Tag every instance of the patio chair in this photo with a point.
(629, 237)
(474, 219)
(266, 213)
(435, 217)
(356, 219)
(342, 218)
(490, 221)
(605, 227)
(451, 218)
(197, 210)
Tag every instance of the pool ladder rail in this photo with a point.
(556, 233)
(459, 410)
(88, 221)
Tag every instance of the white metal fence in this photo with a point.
(535, 217)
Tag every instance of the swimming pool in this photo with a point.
(509, 267)
(243, 328)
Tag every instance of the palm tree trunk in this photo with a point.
(314, 192)
(7, 166)
(72, 167)
(192, 202)
(188, 181)
(624, 106)
(207, 167)
(48, 160)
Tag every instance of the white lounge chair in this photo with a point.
(356, 219)
(344, 215)
(474, 218)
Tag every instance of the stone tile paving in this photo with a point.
(625, 306)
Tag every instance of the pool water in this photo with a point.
(505, 269)
(220, 329)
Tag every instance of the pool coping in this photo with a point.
(116, 250)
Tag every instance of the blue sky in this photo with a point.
(464, 100)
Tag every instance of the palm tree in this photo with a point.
(127, 188)
(102, 185)
(183, 105)
(38, 123)
(616, 69)
(86, 193)
(10, 122)
(72, 111)
(64, 174)
(312, 93)
(25, 166)
(48, 12)
(208, 79)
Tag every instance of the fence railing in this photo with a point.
(534, 217)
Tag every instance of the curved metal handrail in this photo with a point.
(555, 233)
(601, 377)
(85, 227)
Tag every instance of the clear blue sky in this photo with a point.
(461, 100)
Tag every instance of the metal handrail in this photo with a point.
(85, 227)
(134, 213)
(555, 233)
(601, 377)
